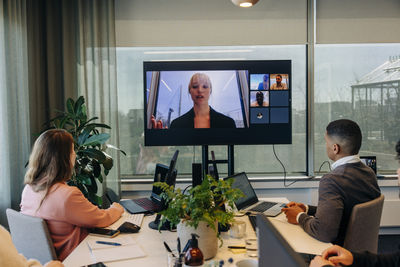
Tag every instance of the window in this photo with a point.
(359, 82)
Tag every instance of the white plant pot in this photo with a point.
(208, 241)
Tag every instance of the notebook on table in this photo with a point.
(250, 203)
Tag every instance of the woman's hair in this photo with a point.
(200, 75)
(50, 160)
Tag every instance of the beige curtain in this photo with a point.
(14, 103)
(72, 53)
(51, 50)
(97, 71)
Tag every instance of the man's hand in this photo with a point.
(291, 213)
(300, 205)
(338, 255)
(318, 261)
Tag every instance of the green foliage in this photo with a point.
(204, 202)
(91, 160)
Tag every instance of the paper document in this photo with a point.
(105, 253)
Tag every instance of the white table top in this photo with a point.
(151, 242)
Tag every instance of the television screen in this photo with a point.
(217, 102)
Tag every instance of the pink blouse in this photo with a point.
(67, 213)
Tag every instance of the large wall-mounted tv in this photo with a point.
(249, 102)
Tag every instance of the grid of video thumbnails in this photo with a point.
(269, 98)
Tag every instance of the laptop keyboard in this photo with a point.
(270, 209)
(146, 204)
(263, 206)
(127, 217)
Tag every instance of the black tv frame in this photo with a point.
(271, 133)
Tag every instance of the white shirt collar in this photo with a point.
(345, 160)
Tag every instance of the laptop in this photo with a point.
(250, 203)
(370, 161)
(273, 249)
(153, 202)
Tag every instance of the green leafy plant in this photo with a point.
(202, 203)
(91, 159)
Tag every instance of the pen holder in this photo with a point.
(174, 260)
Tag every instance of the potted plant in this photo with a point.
(200, 210)
(92, 162)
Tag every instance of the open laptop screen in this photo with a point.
(273, 249)
(240, 181)
(370, 161)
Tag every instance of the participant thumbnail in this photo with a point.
(259, 115)
(279, 81)
(259, 81)
(259, 99)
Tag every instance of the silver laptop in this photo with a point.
(250, 203)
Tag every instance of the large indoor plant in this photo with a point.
(200, 207)
(92, 162)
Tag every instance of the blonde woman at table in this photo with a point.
(46, 194)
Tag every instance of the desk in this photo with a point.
(151, 242)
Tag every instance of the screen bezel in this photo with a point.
(271, 133)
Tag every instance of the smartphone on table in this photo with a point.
(104, 232)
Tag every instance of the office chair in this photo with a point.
(31, 236)
(363, 228)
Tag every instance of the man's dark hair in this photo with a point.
(279, 75)
(347, 133)
(398, 150)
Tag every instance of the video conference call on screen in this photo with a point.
(250, 102)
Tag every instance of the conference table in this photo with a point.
(151, 251)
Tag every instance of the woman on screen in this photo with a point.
(202, 115)
(46, 194)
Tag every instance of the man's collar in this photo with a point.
(345, 160)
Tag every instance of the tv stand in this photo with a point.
(230, 161)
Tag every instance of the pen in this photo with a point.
(237, 247)
(108, 243)
(168, 249)
(241, 247)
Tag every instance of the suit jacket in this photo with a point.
(347, 185)
(67, 213)
(217, 120)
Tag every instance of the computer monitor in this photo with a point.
(249, 100)
(273, 249)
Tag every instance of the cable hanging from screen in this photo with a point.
(284, 169)
(322, 164)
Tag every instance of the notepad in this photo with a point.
(129, 249)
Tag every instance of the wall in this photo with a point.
(209, 22)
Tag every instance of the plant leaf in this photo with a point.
(78, 105)
(108, 163)
(97, 139)
(70, 106)
(116, 148)
(93, 153)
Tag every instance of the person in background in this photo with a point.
(264, 85)
(349, 183)
(201, 115)
(259, 100)
(336, 255)
(9, 255)
(279, 85)
(67, 212)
